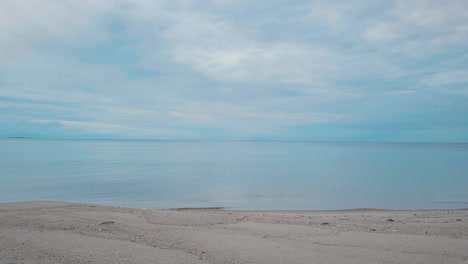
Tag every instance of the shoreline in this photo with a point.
(62, 232)
(235, 209)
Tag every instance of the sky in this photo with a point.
(374, 70)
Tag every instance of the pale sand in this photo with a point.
(56, 232)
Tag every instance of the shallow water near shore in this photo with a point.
(236, 174)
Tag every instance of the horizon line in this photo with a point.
(237, 140)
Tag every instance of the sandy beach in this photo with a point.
(58, 232)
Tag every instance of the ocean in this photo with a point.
(236, 174)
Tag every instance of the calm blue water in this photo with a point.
(245, 175)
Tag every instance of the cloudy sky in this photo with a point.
(374, 70)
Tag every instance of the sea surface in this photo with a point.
(236, 174)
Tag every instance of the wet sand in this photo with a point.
(58, 232)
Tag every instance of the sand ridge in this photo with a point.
(58, 232)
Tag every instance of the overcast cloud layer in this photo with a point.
(235, 69)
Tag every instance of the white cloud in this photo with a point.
(129, 111)
(92, 126)
(425, 22)
(431, 13)
(218, 50)
(447, 78)
(382, 31)
(108, 128)
(450, 82)
(19, 105)
(330, 14)
(24, 23)
(239, 118)
(219, 71)
(52, 77)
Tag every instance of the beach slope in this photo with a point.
(58, 232)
